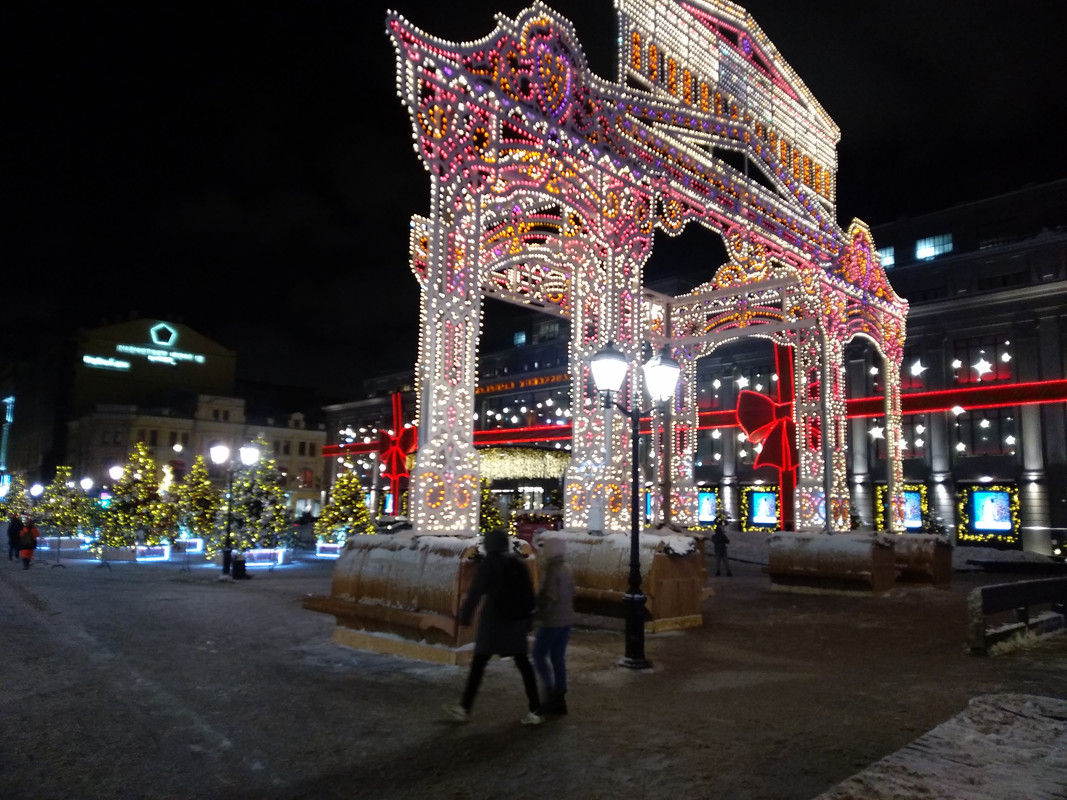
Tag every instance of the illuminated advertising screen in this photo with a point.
(913, 510)
(991, 511)
(763, 508)
(648, 506)
(707, 506)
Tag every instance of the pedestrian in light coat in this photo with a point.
(555, 615)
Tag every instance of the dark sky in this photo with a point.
(247, 167)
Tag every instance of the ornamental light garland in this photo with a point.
(548, 184)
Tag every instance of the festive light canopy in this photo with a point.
(548, 184)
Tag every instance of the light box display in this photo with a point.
(988, 515)
(913, 504)
(707, 506)
(759, 508)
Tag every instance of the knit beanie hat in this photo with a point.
(496, 541)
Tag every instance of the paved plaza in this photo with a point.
(156, 680)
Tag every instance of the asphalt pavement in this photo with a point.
(142, 680)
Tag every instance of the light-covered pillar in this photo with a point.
(444, 489)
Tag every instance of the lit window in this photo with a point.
(932, 246)
(519, 339)
(888, 257)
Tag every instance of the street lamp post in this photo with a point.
(220, 454)
(609, 368)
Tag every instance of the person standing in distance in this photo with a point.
(28, 542)
(719, 541)
(555, 613)
(14, 529)
(501, 631)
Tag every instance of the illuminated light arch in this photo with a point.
(548, 185)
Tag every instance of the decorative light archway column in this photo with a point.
(444, 497)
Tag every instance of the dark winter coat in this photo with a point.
(495, 636)
(14, 530)
(719, 540)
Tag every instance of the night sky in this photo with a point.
(247, 167)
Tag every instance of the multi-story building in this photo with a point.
(156, 382)
(984, 379)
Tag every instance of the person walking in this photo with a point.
(719, 541)
(14, 529)
(555, 613)
(28, 542)
(503, 624)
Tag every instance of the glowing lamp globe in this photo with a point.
(661, 376)
(609, 367)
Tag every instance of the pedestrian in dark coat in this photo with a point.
(14, 529)
(719, 541)
(496, 635)
(555, 615)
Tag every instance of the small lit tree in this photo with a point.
(198, 503)
(260, 506)
(64, 506)
(16, 500)
(489, 517)
(133, 496)
(346, 514)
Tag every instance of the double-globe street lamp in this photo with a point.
(609, 368)
(220, 454)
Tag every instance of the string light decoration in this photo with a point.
(64, 505)
(747, 523)
(998, 525)
(260, 505)
(881, 504)
(129, 515)
(547, 185)
(198, 502)
(346, 514)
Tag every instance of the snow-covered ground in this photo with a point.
(999, 747)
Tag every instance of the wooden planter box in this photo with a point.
(401, 594)
(859, 562)
(673, 574)
(923, 558)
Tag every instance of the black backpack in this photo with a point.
(515, 598)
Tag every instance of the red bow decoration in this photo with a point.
(393, 448)
(770, 423)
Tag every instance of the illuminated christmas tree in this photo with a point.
(164, 510)
(346, 514)
(133, 496)
(198, 503)
(15, 501)
(489, 518)
(64, 507)
(260, 505)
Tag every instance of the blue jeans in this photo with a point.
(550, 645)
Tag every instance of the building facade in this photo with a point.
(156, 382)
(984, 383)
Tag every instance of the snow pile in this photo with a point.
(1000, 747)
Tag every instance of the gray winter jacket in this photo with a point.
(555, 596)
